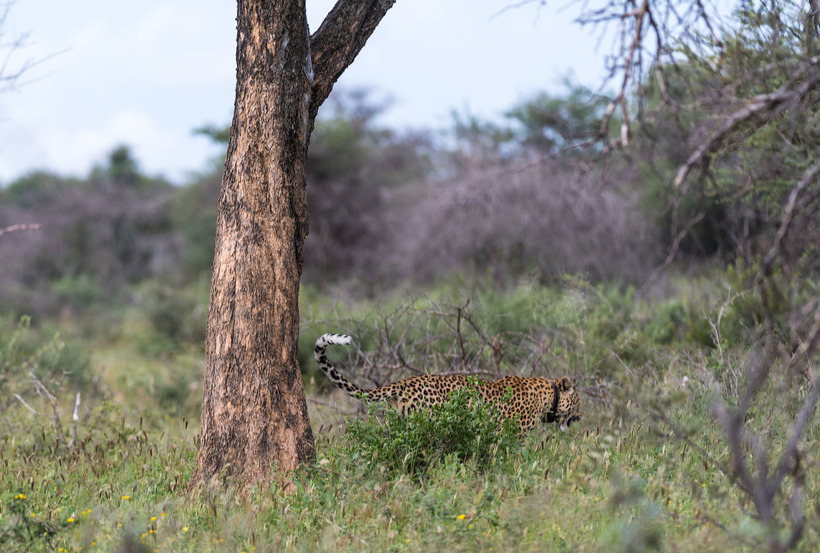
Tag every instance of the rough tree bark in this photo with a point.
(254, 412)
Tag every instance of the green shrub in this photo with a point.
(465, 428)
(29, 359)
(80, 291)
(178, 313)
(668, 322)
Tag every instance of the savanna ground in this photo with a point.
(646, 470)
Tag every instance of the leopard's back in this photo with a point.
(529, 398)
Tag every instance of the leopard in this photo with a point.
(529, 398)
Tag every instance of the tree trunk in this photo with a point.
(254, 411)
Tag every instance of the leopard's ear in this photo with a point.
(566, 384)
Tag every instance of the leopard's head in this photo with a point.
(568, 406)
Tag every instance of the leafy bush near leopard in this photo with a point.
(465, 428)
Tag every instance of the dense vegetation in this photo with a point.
(686, 315)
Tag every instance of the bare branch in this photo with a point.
(16, 228)
(8, 76)
(788, 213)
(42, 389)
(764, 486)
(12, 70)
(637, 22)
(762, 108)
(338, 41)
(75, 419)
(26, 405)
(788, 456)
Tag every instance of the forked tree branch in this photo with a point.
(338, 41)
(764, 485)
(805, 351)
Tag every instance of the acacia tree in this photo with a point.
(254, 412)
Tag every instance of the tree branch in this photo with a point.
(788, 213)
(15, 228)
(762, 108)
(340, 38)
(26, 405)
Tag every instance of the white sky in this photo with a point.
(147, 72)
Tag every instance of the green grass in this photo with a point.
(605, 487)
(642, 472)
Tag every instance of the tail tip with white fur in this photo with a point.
(333, 339)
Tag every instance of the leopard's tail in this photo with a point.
(319, 352)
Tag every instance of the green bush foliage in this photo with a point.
(465, 428)
(29, 360)
(177, 313)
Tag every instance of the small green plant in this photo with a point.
(465, 428)
(21, 527)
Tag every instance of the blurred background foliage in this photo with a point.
(522, 197)
(387, 207)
